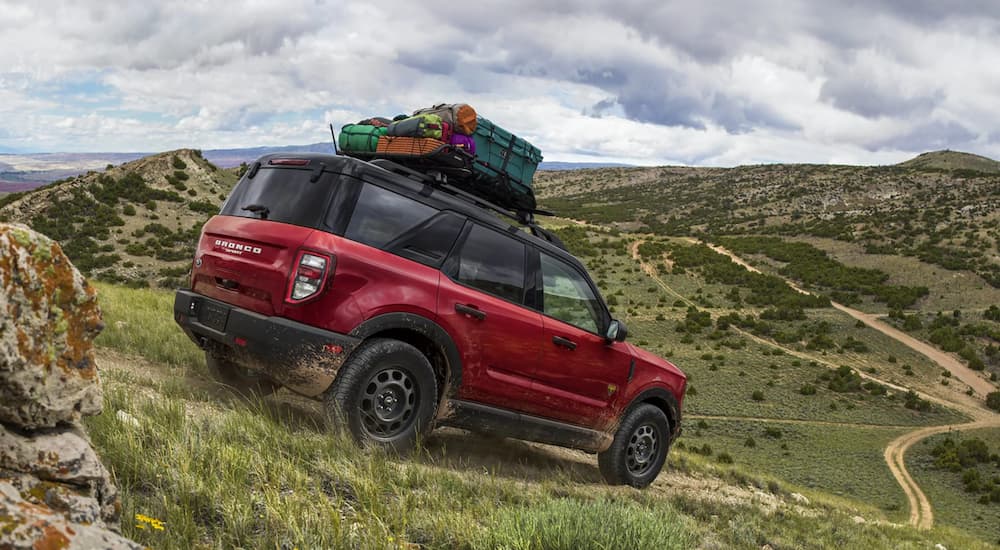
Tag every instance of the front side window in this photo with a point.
(567, 296)
(493, 262)
(381, 216)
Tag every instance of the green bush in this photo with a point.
(844, 380)
(993, 400)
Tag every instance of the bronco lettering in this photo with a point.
(237, 247)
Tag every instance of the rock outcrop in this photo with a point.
(54, 491)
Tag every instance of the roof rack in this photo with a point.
(439, 180)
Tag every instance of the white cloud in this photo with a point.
(644, 82)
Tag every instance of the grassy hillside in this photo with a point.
(136, 223)
(218, 471)
(946, 217)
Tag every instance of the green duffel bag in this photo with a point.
(360, 138)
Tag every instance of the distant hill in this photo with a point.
(136, 223)
(953, 160)
(557, 165)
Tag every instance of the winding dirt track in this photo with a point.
(921, 511)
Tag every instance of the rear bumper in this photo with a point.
(302, 357)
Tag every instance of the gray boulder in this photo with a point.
(48, 319)
(54, 491)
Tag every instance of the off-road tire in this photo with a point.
(243, 381)
(386, 395)
(639, 449)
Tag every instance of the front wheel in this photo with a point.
(386, 393)
(639, 449)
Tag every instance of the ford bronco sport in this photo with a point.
(403, 303)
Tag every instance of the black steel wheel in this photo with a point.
(639, 449)
(642, 450)
(388, 403)
(385, 394)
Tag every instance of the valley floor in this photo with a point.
(921, 511)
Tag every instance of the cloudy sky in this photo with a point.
(645, 82)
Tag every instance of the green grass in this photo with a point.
(952, 505)
(268, 474)
(843, 460)
(140, 322)
(949, 290)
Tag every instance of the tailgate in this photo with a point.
(246, 262)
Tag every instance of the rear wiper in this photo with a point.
(260, 209)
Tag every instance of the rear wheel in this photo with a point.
(244, 381)
(639, 449)
(386, 394)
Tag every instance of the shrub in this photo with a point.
(724, 458)
(808, 389)
(773, 433)
(993, 400)
(844, 380)
(914, 402)
(757, 395)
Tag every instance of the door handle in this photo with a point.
(564, 342)
(470, 310)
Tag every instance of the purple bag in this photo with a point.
(463, 142)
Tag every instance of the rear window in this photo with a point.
(282, 195)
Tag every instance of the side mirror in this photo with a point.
(617, 331)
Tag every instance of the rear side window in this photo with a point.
(283, 195)
(382, 216)
(494, 263)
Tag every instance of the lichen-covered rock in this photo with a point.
(30, 525)
(54, 491)
(61, 456)
(48, 319)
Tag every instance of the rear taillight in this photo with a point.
(309, 276)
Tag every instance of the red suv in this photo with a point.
(404, 303)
